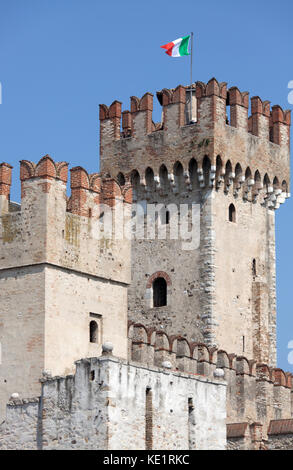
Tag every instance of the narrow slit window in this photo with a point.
(94, 329)
(167, 220)
(254, 267)
(232, 213)
(165, 216)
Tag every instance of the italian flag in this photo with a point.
(177, 48)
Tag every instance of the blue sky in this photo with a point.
(60, 58)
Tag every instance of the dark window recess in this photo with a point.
(93, 332)
(232, 213)
(254, 267)
(159, 292)
(121, 179)
(167, 217)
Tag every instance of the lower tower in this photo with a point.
(63, 284)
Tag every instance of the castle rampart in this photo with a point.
(256, 393)
(169, 395)
(114, 404)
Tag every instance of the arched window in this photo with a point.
(232, 213)
(94, 332)
(159, 292)
(121, 179)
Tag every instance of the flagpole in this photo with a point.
(191, 51)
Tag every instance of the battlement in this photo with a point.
(45, 168)
(50, 226)
(83, 185)
(236, 148)
(138, 121)
(255, 392)
(86, 189)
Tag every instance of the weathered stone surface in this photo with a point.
(223, 292)
(56, 276)
(103, 407)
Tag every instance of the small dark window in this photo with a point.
(121, 179)
(160, 292)
(232, 213)
(90, 213)
(165, 216)
(93, 332)
(190, 405)
(254, 267)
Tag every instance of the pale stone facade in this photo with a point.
(56, 277)
(64, 290)
(103, 407)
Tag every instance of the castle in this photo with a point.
(149, 342)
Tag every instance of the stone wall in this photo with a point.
(103, 406)
(22, 326)
(280, 434)
(245, 436)
(256, 393)
(224, 158)
(59, 271)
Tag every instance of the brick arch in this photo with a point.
(156, 275)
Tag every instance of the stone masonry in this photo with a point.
(192, 319)
(217, 293)
(103, 407)
(55, 275)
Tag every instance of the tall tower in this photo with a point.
(235, 170)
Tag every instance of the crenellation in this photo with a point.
(212, 99)
(5, 184)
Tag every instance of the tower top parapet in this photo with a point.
(255, 147)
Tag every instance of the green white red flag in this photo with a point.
(178, 47)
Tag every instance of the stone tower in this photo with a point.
(235, 169)
(63, 289)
